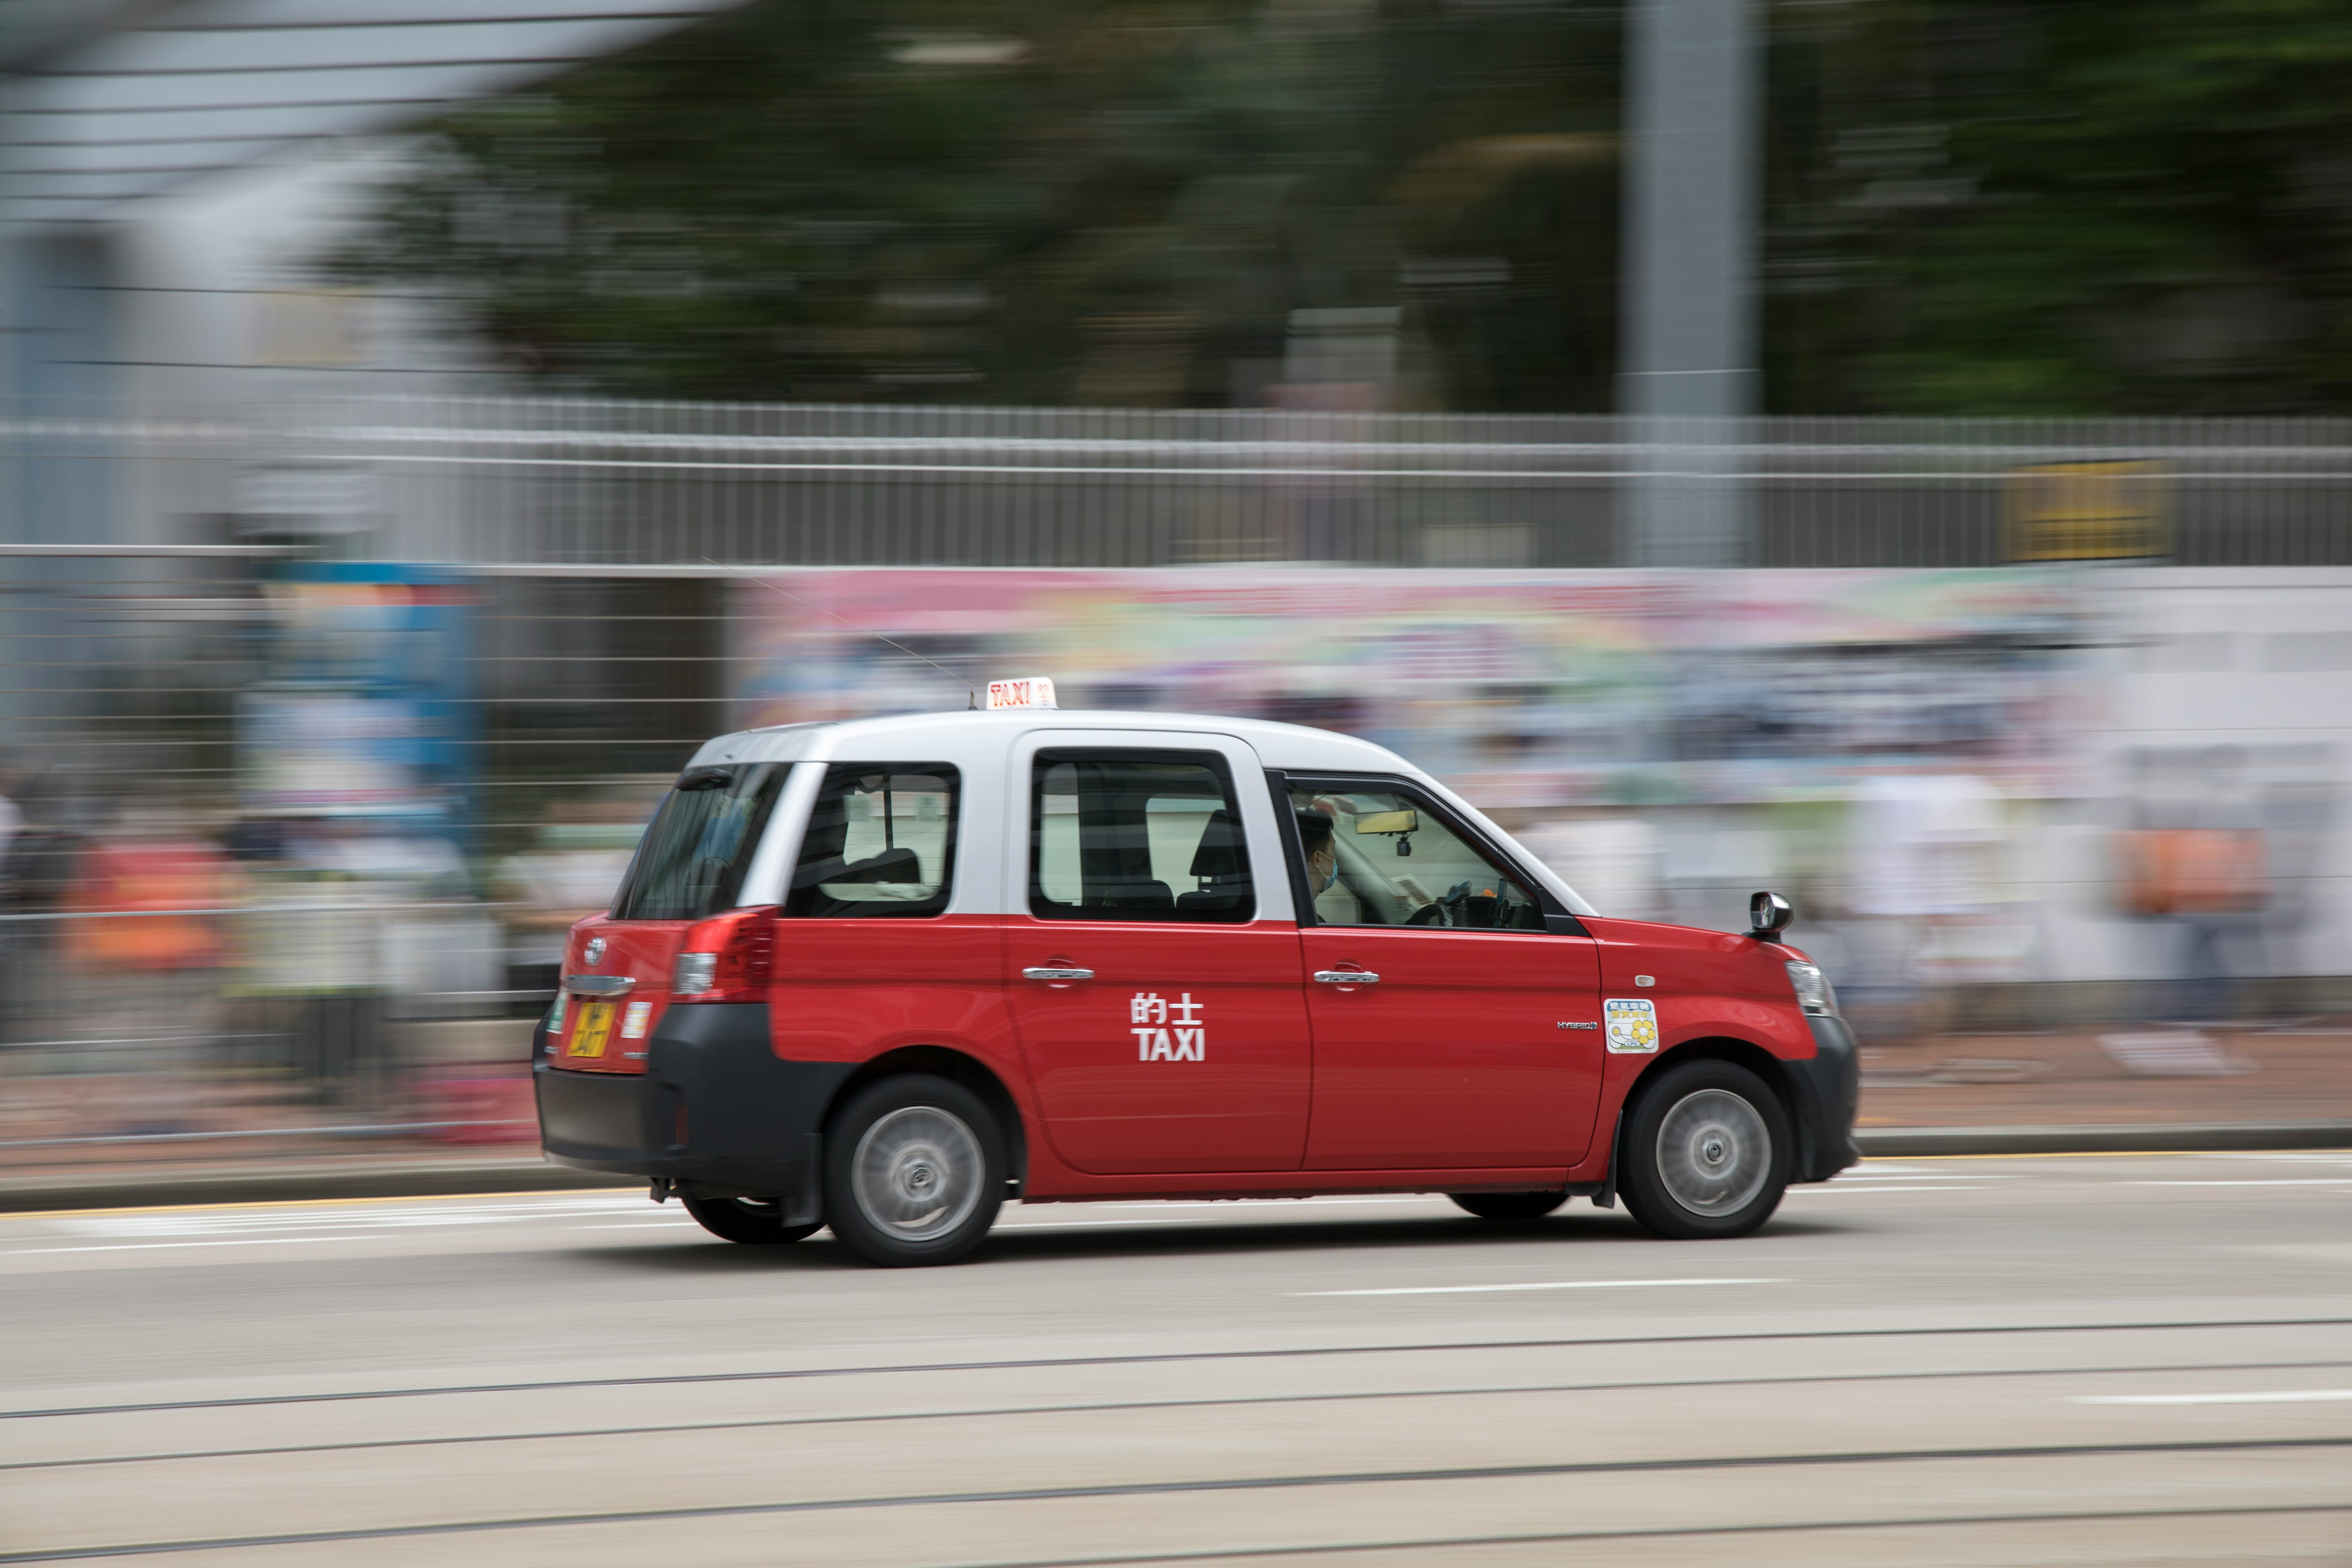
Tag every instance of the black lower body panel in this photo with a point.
(1828, 1093)
(714, 1111)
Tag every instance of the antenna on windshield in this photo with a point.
(972, 692)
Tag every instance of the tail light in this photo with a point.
(728, 958)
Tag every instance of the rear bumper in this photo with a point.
(714, 1111)
(1828, 1091)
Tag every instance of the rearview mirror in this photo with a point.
(1768, 914)
(1389, 822)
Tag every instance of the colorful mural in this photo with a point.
(1523, 688)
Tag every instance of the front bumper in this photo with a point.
(1828, 1092)
(716, 1113)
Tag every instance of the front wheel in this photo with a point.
(1706, 1152)
(1508, 1206)
(755, 1222)
(914, 1172)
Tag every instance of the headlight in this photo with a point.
(694, 972)
(1814, 994)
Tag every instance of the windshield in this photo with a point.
(692, 861)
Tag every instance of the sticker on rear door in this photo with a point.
(1633, 1025)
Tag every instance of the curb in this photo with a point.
(2138, 1138)
(385, 1179)
(301, 1183)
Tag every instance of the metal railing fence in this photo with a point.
(333, 1012)
(585, 484)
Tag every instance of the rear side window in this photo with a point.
(691, 862)
(880, 842)
(1136, 836)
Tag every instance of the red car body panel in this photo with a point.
(643, 950)
(1188, 1051)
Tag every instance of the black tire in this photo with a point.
(755, 1222)
(1690, 1166)
(1508, 1206)
(914, 1172)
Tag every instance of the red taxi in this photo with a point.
(882, 975)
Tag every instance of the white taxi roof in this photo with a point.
(1294, 747)
(967, 737)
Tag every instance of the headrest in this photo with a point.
(1220, 854)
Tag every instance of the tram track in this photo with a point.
(1941, 1374)
(1161, 1358)
(1677, 1465)
(1134, 1406)
(1691, 1532)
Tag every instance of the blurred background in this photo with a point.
(1894, 451)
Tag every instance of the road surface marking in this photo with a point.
(1905, 1187)
(1547, 1285)
(2252, 1182)
(156, 1246)
(2274, 1397)
(605, 1191)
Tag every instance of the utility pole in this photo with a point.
(1687, 290)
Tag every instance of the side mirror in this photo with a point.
(1769, 915)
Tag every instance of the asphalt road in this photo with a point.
(2109, 1359)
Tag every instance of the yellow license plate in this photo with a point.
(595, 1027)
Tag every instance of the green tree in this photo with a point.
(2119, 206)
(1972, 206)
(1115, 202)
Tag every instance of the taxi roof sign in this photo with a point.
(1031, 691)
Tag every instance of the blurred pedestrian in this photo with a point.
(2196, 860)
(38, 870)
(315, 951)
(1923, 862)
(571, 871)
(144, 940)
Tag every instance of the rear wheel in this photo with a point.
(752, 1221)
(914, 1172)
(1706, 1152)
(1508, 1206)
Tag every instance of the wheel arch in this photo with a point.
(956, 1067)
(1723, 1048)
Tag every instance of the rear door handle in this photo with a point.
(1346, 977)
(1057, 974)
(599, 984)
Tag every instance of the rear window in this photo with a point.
(691, 863)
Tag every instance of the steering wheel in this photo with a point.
(1429, 915)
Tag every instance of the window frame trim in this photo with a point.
(1558, 920)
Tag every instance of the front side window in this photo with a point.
(880, 842)
(691, 862)
(1136, 836)
(1380, 856)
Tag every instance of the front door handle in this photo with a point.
(1346, 977)
(1063, 975)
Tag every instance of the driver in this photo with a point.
(1322, 860)
(1333, 904)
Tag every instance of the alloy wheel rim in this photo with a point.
(917, 1172)
(1713, 1153)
